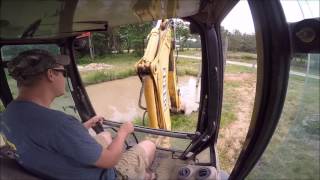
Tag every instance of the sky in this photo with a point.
(240, 16)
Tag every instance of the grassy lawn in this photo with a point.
(231, 56)
(188, 67)
(190, 52)
(242, 57)
(179, 122)
(294, 149)
(245, 57)
(234, 69)
(230, 100)
(122, 67)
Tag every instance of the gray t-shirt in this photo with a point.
(52, 144)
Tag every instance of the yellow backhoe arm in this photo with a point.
(159, 78)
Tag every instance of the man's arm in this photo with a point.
(104, 138)
(111, 155)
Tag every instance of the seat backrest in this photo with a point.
(10, 168)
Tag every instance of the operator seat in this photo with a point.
(9, 167)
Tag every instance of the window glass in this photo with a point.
(297, 10)
(293, 152)
(63, 103)
(10, 51)
(163, 142)
(204, 156)
(294, 149)
(106, 62)
(239, 85)
(1, 106)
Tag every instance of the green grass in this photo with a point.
(242, 57)
(239, 69)
(187, 67)
(230, 101)
(122, 67)
(102, 76)
(184, 123)
(119, 59)
(245, 57)
(294, 149)
(190, 52)
(179, 122)
(300, 69)
(233, 56)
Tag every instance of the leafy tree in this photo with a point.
(234, 41)
(300, 60)
(134, 35)
(248, 43)
(183, 34)
(239, 42)
(100, 43)
(128, 37)
(11, 51)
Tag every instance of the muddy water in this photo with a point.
(190, 93)
(118, 100)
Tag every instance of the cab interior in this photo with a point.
(191, 155)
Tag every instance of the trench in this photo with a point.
(118, 100)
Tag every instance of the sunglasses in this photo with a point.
(63, 71)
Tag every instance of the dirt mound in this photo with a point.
(94, 67)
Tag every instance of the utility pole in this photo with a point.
(91, 48)
(225, 51)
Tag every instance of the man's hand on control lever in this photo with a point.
(93, 122)
(125, 129)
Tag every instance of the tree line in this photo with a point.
(128, 38)
(238, 41)
(133, 38)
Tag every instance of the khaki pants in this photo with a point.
(132, 164)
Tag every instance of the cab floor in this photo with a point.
(166, 165)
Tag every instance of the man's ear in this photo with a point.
(50, 75)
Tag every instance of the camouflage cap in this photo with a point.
(33, 62)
